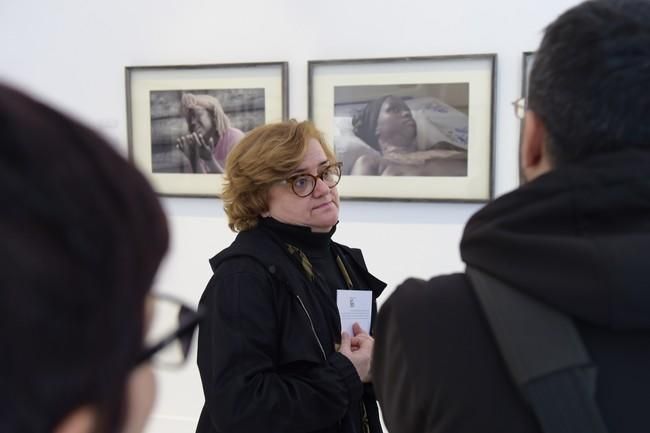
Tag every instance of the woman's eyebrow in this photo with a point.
(305, 170)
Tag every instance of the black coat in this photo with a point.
(577, 239)
(266, 352)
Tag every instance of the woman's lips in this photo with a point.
(324, 205)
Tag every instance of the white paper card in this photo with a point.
(354, 306)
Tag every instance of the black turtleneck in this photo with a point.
(319, 250)
(316, 246)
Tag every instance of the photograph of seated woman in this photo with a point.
(271, 353)
(387, 125)
(210, 138)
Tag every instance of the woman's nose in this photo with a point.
(321, 187)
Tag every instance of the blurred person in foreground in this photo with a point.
(575, 237)
(82, 238)
(271, 352)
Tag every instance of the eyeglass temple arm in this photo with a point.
(188, 319)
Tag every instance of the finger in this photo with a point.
(364, 336)
(361, 344)
(203, 143)
(357, 329)
(345, 340)
(361, 341)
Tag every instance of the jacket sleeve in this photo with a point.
(239, 347)
(395, 386)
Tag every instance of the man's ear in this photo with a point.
(81, 420)
(535, 159)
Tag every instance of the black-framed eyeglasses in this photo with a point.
(304, 184)
(169, 332)
(520, 107)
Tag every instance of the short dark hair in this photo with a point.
(82, 236)
(590, 79)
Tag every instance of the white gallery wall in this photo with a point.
(72, 53)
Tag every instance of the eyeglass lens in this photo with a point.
(304, 184)
(520, 108)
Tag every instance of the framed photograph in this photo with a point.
(183, 120)
(415, 128)
(527, 64)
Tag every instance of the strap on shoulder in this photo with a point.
(544, 354)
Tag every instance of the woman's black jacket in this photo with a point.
(266, 352)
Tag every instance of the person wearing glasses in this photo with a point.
(271, 353)
(81, 242)
(573, 239)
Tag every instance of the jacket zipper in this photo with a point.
(312, 327)
(365, 423)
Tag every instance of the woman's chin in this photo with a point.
(324, 223)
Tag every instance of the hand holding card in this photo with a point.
(355, 306)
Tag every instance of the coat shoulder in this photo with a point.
(433, 297)
(450, 355)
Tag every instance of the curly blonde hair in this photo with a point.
(266, 155)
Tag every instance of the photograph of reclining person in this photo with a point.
(193, 131)
(402, 130)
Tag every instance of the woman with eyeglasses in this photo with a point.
(272, 355)
(82, 239)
